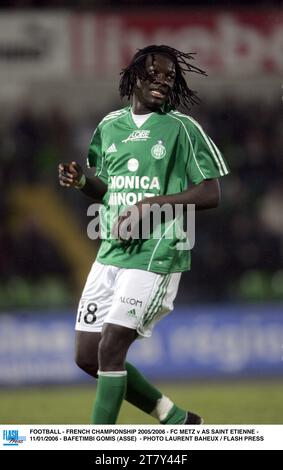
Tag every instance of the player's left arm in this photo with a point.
(205, 195)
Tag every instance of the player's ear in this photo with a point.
(138, 83)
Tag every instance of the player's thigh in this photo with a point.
(139, 296)
(96, 298)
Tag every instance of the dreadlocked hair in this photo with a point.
(181, 94)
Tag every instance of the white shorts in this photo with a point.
(132, 298)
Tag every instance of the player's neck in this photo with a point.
(140, 108)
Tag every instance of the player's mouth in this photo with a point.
(159, 94)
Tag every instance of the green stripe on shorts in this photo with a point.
(154, 300)
(154, 308)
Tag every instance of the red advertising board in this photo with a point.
(230, 43)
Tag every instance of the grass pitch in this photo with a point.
(242, 402)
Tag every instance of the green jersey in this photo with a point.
(163, 156)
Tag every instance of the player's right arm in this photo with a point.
(71, 175)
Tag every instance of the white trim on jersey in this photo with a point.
(194, 155)
(156, 246)
(225, 169)
(213, 148)
(114, 114)
(114, 119)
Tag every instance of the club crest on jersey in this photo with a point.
(137, 135)
(158, 151)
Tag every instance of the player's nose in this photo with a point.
(161, 78)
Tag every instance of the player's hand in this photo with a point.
(69, 174)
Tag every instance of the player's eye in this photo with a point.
(152, 74)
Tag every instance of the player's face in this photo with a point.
(152, 92)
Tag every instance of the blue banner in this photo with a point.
(204, 341)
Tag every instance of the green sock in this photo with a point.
(175, 416)
(110, 392)
(140, 392)
(149, 399)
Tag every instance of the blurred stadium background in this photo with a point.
(220, 352)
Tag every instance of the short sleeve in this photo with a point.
(95, 156)
(205, 161)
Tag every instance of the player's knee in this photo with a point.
(111, 356)
(87, 365)
(107, 362)
(113, 347)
